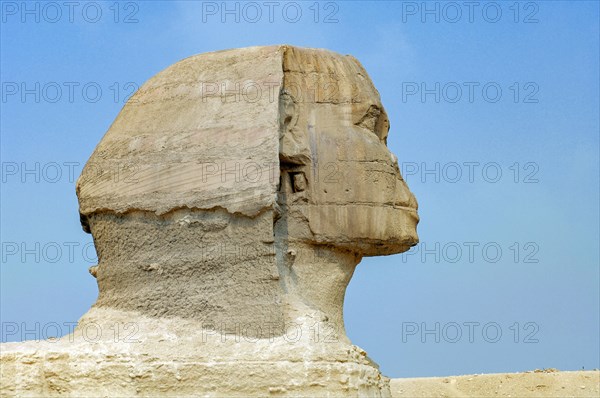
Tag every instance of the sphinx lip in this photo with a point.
(407, 208)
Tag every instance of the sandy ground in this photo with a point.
(538, 383)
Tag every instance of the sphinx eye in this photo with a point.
(372, 120)
(369, 119)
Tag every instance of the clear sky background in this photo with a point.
(507, 178)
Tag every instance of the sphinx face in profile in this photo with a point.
(342, 184)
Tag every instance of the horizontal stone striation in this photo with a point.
(183, 141)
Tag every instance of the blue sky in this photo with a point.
(506, 175)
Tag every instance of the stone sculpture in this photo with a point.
(230, 202)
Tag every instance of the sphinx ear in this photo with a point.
(382, 128)
(293, 141)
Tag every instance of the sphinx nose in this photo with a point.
(412, 200)
(404, 197)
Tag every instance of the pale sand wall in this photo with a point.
(529, 384)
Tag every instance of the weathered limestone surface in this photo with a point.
(230, 202)
(538, 383)
(168, 145)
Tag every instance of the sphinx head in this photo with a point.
(245, 185)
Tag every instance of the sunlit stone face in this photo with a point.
(342, 184)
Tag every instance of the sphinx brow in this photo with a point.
(369, 112)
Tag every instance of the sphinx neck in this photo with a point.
(314, 279)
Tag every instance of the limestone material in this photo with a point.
(539, 383)
(230, 202)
